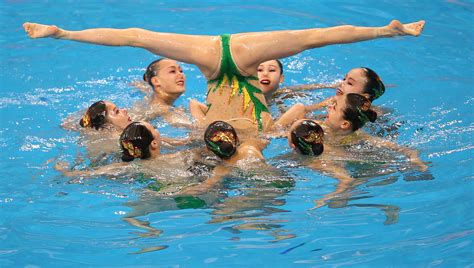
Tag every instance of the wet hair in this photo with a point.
(151, 71)
(280, 65)
(95, 116)
(220, 142)
(374, 87)
(135, 142)
(357, 111)
(308, 138)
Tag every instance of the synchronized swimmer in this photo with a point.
(243, 75)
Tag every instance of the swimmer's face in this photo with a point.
(169, 77)
(354, 82)
(335, 114)
(269, 76)
(116, 116)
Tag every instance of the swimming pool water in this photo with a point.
(403, 219)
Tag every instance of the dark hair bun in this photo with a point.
(95, 116)
(221, 147)
(372, 115)
(317, 148)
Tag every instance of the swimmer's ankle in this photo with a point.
(385, 31)
(60, 33)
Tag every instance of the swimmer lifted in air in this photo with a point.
(229, 62)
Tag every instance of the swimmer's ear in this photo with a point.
(154, 145)
(155, 81)
(346, 124)
(282, 78)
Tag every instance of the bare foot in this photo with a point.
(397, 28)
(35, 30)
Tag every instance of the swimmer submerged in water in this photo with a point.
(362, 80)
(101, 126)
(139, 140)
(168, 82)
(229, 62)
(346, 116)
(221, 139)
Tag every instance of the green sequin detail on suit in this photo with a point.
(230, 76)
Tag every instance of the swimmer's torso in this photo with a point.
(233, 94)
(229, 107)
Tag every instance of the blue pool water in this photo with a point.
(396, 220)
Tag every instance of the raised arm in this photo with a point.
(296, 112)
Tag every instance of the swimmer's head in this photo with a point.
(270, 75)
(165, 76)
(151, 70)
(362, 81)
(349, 112)
(221, 138)
(306, 136)
(95, 116)
(101, 113)
(374, 86)
(139, 140)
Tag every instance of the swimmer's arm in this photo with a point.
(174, 142)
(142, 86)
(321, 105)
(71, 122)
(296, 112)
(216, 178)
(276, 133)
(289, 91)
(178, 118)
(411, 154)
(111, 169)
(256, 144)
(345, 181)
(198, 110)
(299, 111)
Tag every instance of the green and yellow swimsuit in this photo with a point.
(230, 76)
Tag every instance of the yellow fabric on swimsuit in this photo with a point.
(229, 75)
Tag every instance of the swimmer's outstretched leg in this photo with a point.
(203, 51)
(250, 49)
